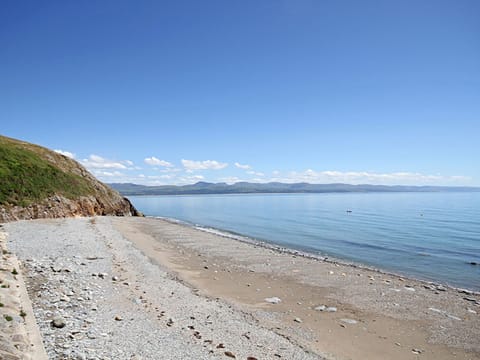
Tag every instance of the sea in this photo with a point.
(432, 236)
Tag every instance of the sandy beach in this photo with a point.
(143, 288)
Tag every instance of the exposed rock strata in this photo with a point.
(61, 207)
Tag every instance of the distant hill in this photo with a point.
(36, 182)
(127, 189)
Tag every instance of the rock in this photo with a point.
(58, 322)
(118, 318)
(273, 300)
(115, 278)
(230, 354)
(297, 320)
(417, 351)
(320, 308)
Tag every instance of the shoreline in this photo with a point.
(376, 315)
(145, 288)
(309, 255)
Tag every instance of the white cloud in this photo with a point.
(244, 167)
(190, 179)
(230, 180)
(157, 162)
(66, 153)
(366, 177)
(191, 165)
(108, 174)
(98, 162)
(255, 173)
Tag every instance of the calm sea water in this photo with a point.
(431, 236)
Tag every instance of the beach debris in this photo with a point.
(58, 322)
(326, 308)
(444, 313)
(273, 300)
(230, 354)
(348, 321)
(298, 320)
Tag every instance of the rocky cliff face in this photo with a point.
(60, 207)
(51, 186)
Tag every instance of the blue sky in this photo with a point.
(173, 92)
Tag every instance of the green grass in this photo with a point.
(30, 173)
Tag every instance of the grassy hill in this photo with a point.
(30, 175)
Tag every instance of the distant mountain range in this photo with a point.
(273, 187)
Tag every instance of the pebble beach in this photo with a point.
(143, 288)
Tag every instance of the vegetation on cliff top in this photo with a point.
(30, 173)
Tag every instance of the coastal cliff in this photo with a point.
(36, 182)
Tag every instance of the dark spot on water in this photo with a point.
(474, 263)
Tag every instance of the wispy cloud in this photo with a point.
(255, 173)
(365, 177)
(244, 167)
(65, 153)
(191, 165)
(156, 162)
(98, 162)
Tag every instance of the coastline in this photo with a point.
(151, 288)
(310, 255)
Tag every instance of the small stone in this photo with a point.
(118, 318)
(320, 308)
(114, 278)
(230, 354)
(220, 346)
(273, 300)
(297, 320)
(58, 322)
(417, 351)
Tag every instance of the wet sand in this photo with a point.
(378, 316)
